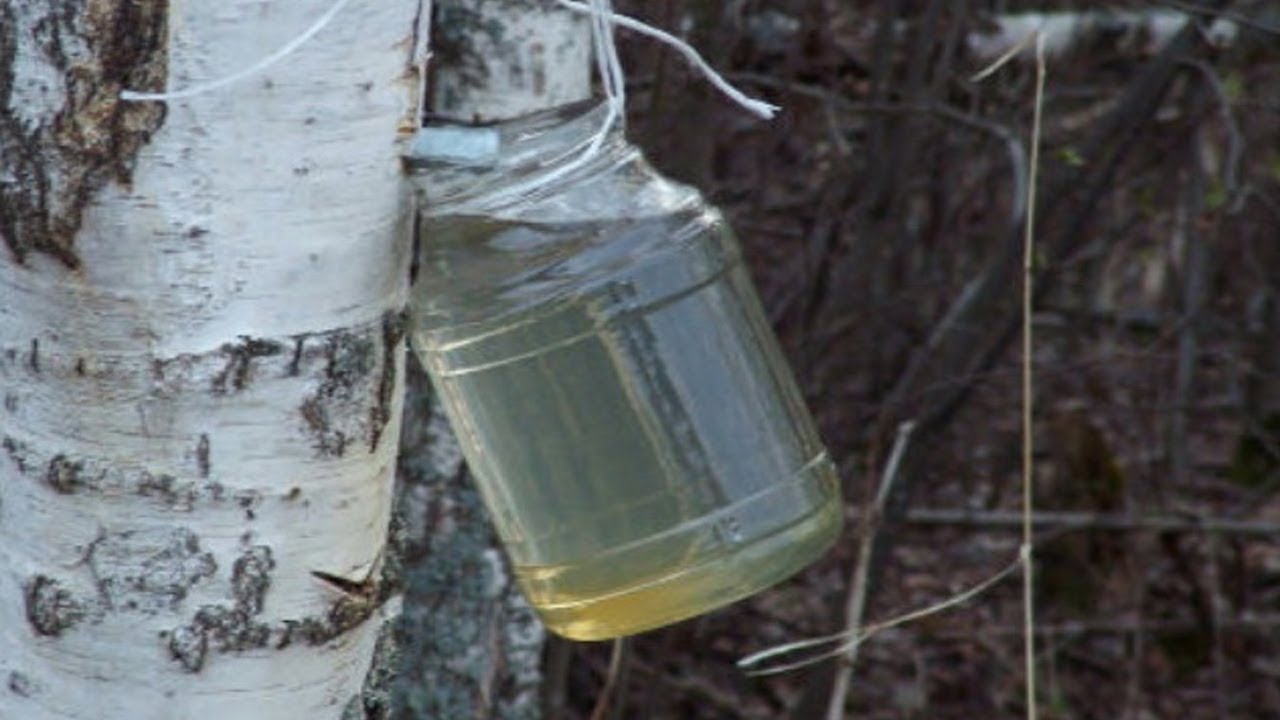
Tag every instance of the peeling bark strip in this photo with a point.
(394, 325)
(62, 140)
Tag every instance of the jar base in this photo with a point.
(693, 589)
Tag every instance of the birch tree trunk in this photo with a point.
(200, 354)
(470, 646)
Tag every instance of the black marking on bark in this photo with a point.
(202, 455)
(55, 162)
(393, 329)
(64, 475)
(248, 501)
(33, 360)
(81, 371)
(17, 452)
(19, 684)
(298, 342)
(234, 627)
(329, 443)
(177, 495)
(11, 402)
(50, 609)
(240, 356)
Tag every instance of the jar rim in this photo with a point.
(453, 163)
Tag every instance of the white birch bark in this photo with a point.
(200, 355)
(494, 60)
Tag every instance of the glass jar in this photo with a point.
(603, 357)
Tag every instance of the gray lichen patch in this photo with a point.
(350, 404)
(64, 131)
(228, 628)
(458, 594)
(188, 645)
(148, 572)
(251, 577)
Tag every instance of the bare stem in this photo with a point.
(1028, 406)
(858, 583)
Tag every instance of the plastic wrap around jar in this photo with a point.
(601, 353)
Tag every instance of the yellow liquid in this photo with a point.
(631, 424)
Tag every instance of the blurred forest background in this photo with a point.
(880, 214)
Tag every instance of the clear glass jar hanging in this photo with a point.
(604, 359)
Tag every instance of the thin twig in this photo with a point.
(858, 584)
(1008, 55)
(1028, 385)
(1262, 624)
(1236, 17)
(601, 711)
(994, 519)
(1235, 137)
(1028, 444)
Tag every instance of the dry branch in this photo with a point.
(1011, 520)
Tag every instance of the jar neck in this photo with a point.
(459, 168)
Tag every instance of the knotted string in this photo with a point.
(756, 107)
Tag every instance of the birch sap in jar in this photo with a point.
(621, 401)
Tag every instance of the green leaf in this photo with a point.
(1071, 156)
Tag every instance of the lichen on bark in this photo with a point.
(64, 131)
(469, 644)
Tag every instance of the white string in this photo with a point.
(257, 67)
(610, 69)
(612, 79)
(756, 107)
(850, 639)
